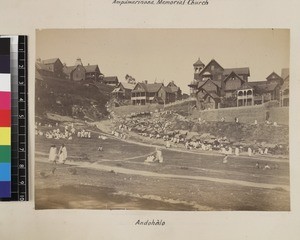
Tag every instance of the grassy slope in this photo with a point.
(60, 95)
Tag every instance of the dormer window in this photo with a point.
(212, 67)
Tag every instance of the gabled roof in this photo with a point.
(202, 84)
(127, 85)
(41, 66)
(50, 61)
(263, 86)
(273, 75)
(171, 84)
(68, 69)
(211, 61)
(285, 72)
(238, 71)
(91, 68)
(231, 75)
(151, 87)
(198, 63)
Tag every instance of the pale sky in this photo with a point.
(167, 54)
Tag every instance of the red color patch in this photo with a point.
(5, 118)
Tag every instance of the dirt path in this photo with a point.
(162, 175)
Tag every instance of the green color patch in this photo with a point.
(5, 154)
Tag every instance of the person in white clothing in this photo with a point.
(62, 154)
(249, 152)
(53, 154)
(159, 156)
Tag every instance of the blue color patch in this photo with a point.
(5, 172)
(5, 189)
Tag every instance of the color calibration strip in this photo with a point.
(5, 119)
(18, 119)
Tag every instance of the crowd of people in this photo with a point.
(161, 126)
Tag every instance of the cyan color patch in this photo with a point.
(5, 172)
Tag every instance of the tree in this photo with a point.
(130, 79)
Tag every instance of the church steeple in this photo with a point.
(198, 66)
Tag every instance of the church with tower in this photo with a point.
(214, 86)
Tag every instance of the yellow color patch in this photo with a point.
(5, 136)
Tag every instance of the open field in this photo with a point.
(118, 178)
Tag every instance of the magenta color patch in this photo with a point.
(5, 100)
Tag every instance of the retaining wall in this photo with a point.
(245, 114)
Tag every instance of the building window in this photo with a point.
(212, 67)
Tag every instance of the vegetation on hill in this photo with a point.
(79, 100)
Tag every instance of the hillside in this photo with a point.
(79, 100)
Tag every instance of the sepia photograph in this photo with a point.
(162, 119)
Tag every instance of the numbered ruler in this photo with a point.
(19, 120)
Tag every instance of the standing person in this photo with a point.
(159, 155)
(53, 154)
(62, 154)
(249, 152)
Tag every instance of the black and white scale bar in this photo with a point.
(19, 126)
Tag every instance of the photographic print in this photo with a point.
(162, 119)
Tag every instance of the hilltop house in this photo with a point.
(75, 73)
(50, 67)
(176, 90)
(145, 93)
(110, 80)
(79, 72)
(123, 91)
(215, 86)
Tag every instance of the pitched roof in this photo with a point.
(127, 85)
(285, 72)
(91, 68)
(211, 61)
(153, 87)
(68, 69)
(41, 66)
(263, 86)
(198, 63)
(275, 75)
(171, 84)
(217, 83)
(50, 61)
(238, 71)
(110, 79)
(149, 87)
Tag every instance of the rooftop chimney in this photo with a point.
(78, 62)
